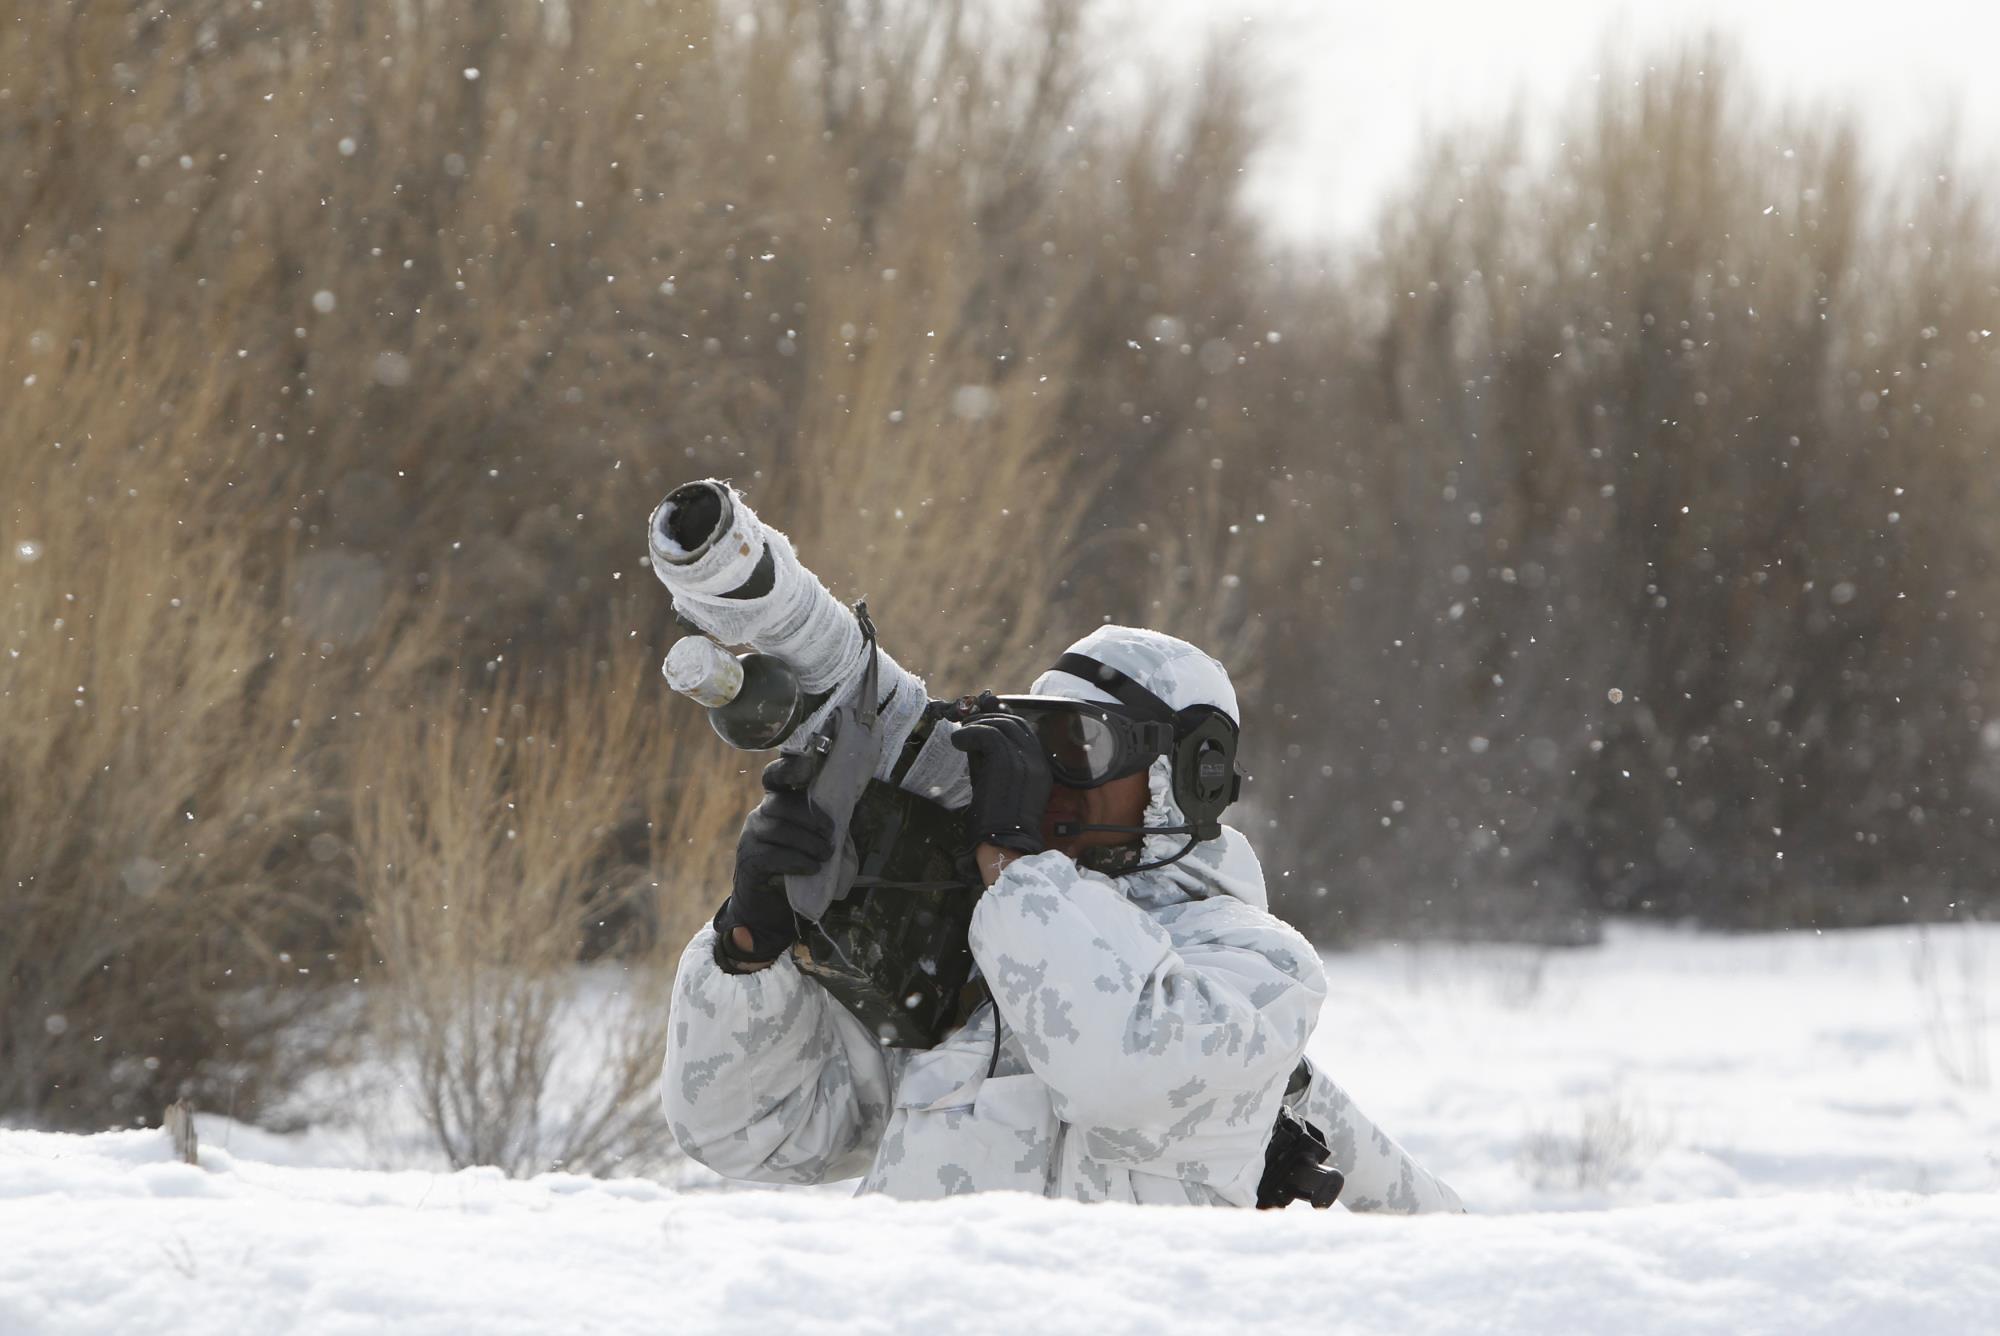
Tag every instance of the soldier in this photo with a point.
(1145, 1015)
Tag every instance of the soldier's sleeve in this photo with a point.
(1125, 1028)
(766, 1077)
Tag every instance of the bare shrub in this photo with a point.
(500, 833)
(1518, 977)
(1613, 1141)
(1652, 489)
(1954, 970)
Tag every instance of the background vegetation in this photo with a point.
(1610, 533)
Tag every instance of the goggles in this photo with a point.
(1087, 743)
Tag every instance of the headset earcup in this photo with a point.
(1204, 777)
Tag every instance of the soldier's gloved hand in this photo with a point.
(1010, 781)
(784, 835)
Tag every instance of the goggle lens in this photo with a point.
(1086, 745)
(1082, 749)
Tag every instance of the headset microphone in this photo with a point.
(1064, 829)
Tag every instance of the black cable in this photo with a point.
(994, 1065)
(1064, 829)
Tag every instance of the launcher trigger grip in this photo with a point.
(793, 772)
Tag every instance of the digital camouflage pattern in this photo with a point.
(1148, 1026)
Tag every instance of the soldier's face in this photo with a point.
(1122, 802)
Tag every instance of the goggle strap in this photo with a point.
(1122, 688)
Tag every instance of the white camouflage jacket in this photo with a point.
(1148, 1027)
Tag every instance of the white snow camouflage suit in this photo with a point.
(1149, 1023)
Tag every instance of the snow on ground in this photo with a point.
(1722, 1066)
(1670, 1133)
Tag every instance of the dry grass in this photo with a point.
(163, 782)
(365, 367)
(500, 836)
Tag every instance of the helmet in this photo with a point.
(1158, 679)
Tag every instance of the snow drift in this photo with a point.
(1672, 1133)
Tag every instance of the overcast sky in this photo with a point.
(1354, 83)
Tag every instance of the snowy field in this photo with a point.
(1669, 1133)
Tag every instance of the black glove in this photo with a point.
(783, 835)
(1010, 781)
